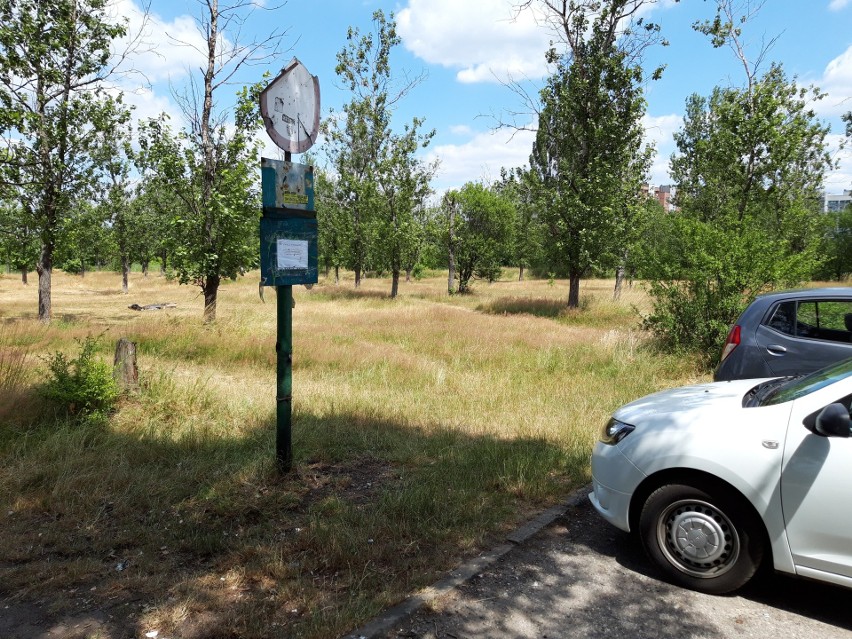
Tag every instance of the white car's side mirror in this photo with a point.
(833, 421)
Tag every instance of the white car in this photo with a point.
(719, 478)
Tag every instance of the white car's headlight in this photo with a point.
(614, 431)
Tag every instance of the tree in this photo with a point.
(588, 160)
(332, 223)
(837, 245)
(209, 167)
(84, 241)
(403, 182)
(18, 241)
(54, 59)
(211, 235)
(152, 209)
(527, 234)
(114, 157)
(362, 147)
(749, 171)
(478, 232)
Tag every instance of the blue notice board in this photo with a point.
(288, 228)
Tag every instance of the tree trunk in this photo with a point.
(44, 268)
(145, 268)
(163, 257)
(521, 274)
(395, 284)
(619, 280)
(210, 288)
(337, 275)
(451, 254)
(574, 291)
(124, 370)
(125, 271)
(408, 274)
(357, 276)
(24, 276)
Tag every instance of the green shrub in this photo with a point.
(83, 385)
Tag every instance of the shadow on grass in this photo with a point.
(199, 536)
(345, 292)
(540, 307)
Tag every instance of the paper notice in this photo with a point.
(292, 254)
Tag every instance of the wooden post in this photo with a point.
(124, 371)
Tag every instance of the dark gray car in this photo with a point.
(789, 333)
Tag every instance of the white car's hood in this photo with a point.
(721, 397)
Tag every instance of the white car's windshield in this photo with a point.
(801, 386)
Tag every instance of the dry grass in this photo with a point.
(423, 428)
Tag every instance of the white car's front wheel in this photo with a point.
(704, 540)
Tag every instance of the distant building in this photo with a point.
(836, 203)
(663, 194)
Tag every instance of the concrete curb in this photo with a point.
(394, 616)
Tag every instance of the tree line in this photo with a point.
(80, 190)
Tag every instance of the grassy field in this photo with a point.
(423, 429)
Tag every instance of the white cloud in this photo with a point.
(837, 5)
(837, 83)
(841, 179)
(481, 158)
(487, 152)
(163, 50)
(487, 40)
(147, 104)
(659, 131)
(461, 130)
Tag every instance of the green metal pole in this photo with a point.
(284, 397)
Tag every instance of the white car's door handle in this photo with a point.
(776, 349)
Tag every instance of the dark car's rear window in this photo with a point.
(815, 319)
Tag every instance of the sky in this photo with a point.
(468, 51)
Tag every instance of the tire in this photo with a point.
(705, 540)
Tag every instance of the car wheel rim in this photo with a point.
(698, 539)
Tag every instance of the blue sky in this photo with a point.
(469, 48)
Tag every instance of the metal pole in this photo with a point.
(284, 397)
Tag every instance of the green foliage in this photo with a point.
(527, 238)
(206, 174)
(85, 239)
(837, 245)
(83, 385)
(588, 159)
(19, 245)
(211, 229)
(482, 231)
(749, 170)
(376, 200)
(54, 57)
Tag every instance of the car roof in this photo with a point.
(808, 293)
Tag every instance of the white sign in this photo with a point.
(292, 254)
(290, 107)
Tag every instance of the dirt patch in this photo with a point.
(356, 483)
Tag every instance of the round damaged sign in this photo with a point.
(290, 107)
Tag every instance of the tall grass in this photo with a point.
(423, 428)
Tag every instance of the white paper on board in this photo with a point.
(292, 254)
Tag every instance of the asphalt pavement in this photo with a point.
(580, 577)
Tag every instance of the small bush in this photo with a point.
(83, 385)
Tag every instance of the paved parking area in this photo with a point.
(580, 577)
